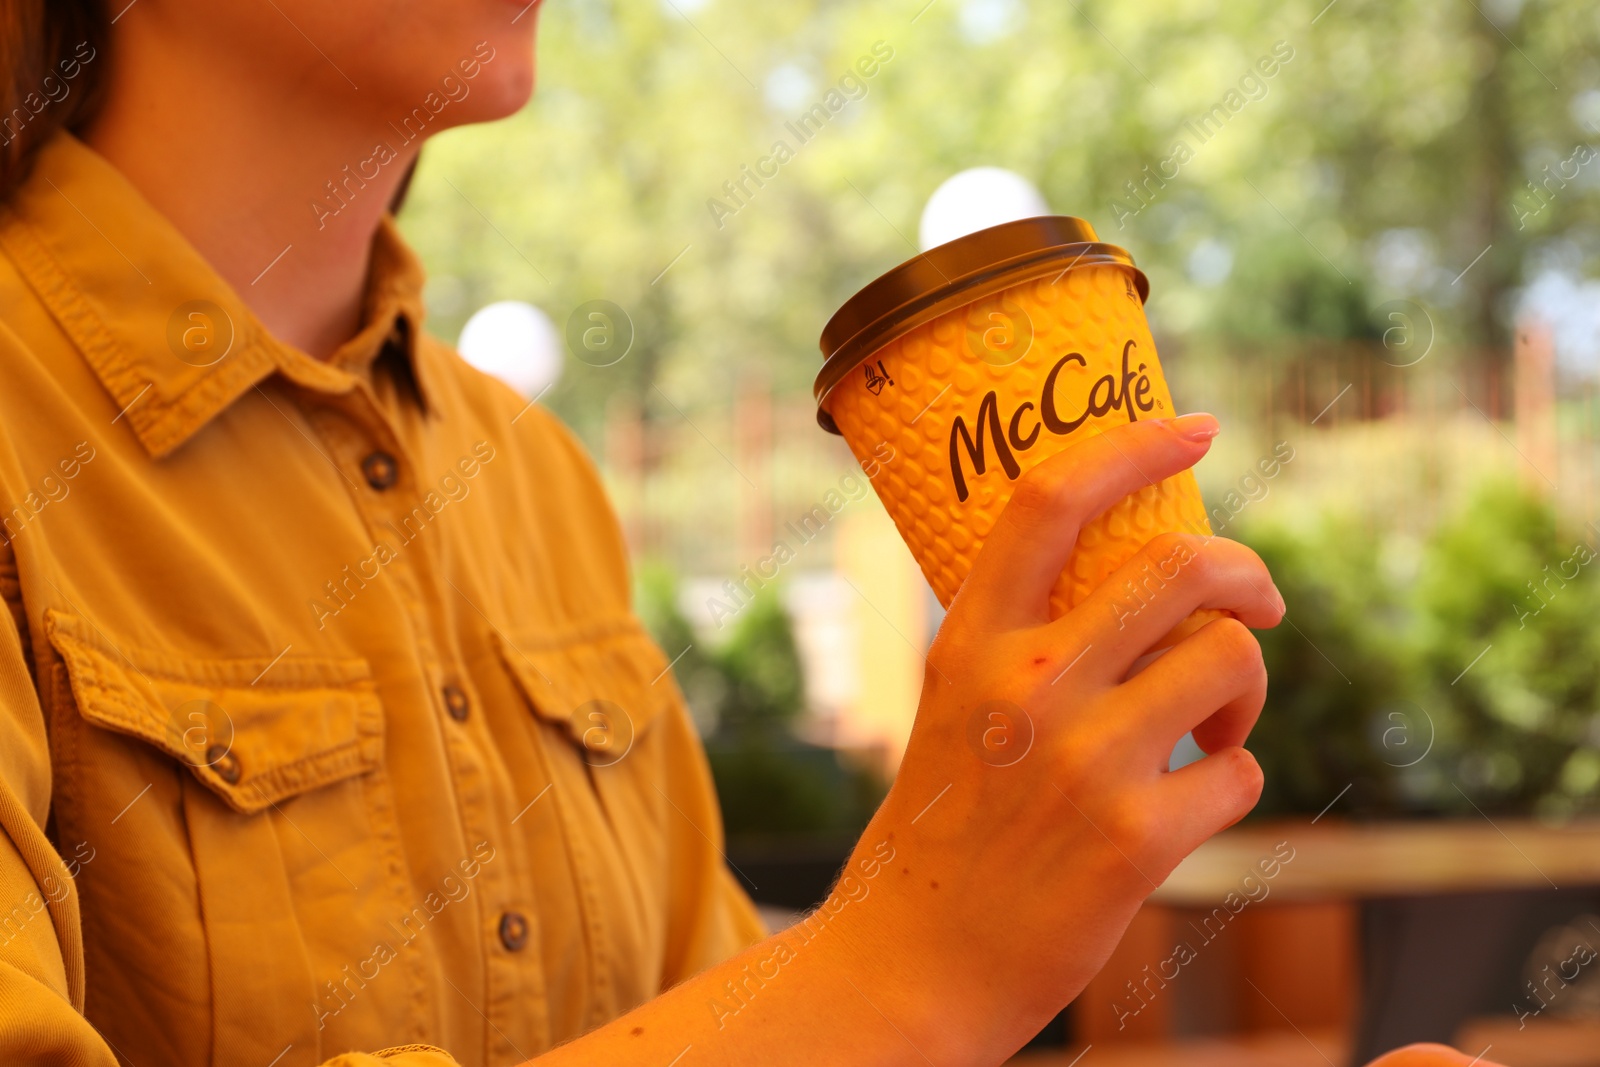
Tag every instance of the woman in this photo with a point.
(328, 730)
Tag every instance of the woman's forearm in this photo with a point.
(804, 996)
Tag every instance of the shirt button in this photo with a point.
(225, 763)
(456, 703)
(381, 470)
(513, 931)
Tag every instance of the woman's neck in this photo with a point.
(238, 163)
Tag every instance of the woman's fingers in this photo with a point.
(1207, 796)
(1166, 581)
(1212, 683)
(1034, 537)
(1428, 1056)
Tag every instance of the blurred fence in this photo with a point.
(710, 489)
(1398, 442)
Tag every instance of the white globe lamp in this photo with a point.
(515, 342)
(976, 199)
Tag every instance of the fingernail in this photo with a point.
(1197, 427)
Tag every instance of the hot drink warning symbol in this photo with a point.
(877, 377)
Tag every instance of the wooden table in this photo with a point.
(1287, 1049)
(1555, 1044)
(1389, 932)
(1344, 861)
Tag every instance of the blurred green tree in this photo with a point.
(1402, 143)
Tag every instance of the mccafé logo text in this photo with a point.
(1128, 392)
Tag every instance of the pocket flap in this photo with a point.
(606, 685)
(254, 731)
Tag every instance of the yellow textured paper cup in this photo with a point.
(946, 416)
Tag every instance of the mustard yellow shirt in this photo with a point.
(326, 727)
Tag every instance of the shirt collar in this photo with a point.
(169, 339)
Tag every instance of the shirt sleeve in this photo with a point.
(713, 917)
(41, 954)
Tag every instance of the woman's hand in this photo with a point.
(1428, 1056)
(1034, 811)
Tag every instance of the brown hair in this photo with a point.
(52, 75)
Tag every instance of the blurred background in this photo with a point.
(1372, 232)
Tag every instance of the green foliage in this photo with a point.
(1335, 669)
(1292, 296)
(1469, 675)
(751, 693)
(765, 689)
(779, 786)
(1506, 577)
(1391, 115)
(698, 675)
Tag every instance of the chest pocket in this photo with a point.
(599, 696)
(604, 688)
(265, 780)
(254, 732)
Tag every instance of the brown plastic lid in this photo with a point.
(950, 276)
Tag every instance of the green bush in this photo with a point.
(1335, 669)
(1437, 677)
(748, 695)
(765, 690)
(1508, 581)
(1432, 679)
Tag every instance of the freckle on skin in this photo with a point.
(905, 870)
(636, 1031)
(933, 885)
(1038, 660)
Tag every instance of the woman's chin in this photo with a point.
(506, 94)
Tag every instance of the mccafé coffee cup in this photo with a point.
(960, 369)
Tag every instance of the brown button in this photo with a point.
(456, 703)
(381, 470)
(224, 762)
(513, 931)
